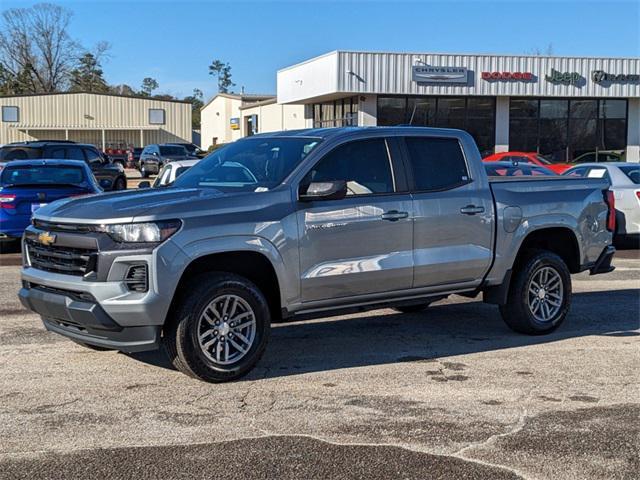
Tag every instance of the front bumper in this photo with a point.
(78, 317)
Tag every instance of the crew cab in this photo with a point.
(330, 220)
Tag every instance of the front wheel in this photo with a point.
(539, 296)
(220, 328)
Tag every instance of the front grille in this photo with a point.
(63, 227)
(57, 259)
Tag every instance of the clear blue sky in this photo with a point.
(175, 41)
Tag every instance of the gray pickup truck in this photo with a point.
(309, 222)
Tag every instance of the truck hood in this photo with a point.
(132, 205)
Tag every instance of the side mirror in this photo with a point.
(106, 184)
(333, 190)
(144, 184)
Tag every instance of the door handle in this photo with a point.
(394, 215)
(471, 210)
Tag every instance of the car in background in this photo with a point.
(600, 156)
(117, 151)
(625, 185)
(527, 157)
(192, 149)
(110, 175)
(26, 185)
(154, 157)
(169, 173)
(133, 157)
(508, 169)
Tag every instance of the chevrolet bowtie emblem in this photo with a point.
(46, 238)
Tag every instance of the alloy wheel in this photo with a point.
(545, 294)
(226, 329)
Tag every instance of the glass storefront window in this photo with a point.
(336, 113)
(563, 129)
(612, 125)
(474, 114)
(583, 127)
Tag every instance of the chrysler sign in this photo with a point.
(428, 74)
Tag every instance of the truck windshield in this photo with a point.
(255, 164)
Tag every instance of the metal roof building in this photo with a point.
(562, 107)
(100, 119)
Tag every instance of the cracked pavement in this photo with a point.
(448, 393)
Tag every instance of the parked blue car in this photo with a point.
(26, 185)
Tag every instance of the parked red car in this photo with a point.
(528, 157)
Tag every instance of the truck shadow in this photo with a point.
(443, 330)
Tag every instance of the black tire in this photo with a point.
(121, 184)
(180, 336)
(517, 313)
(412, 308)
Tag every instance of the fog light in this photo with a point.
(137, 278)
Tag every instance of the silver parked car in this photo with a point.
(625, 184)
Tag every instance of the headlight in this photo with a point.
(152, 232)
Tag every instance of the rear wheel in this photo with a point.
(539, 296)
(220, 328)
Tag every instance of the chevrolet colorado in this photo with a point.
(310, 222)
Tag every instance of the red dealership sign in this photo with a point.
(520, 76)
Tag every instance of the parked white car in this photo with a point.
(171, 171)
(625, 184)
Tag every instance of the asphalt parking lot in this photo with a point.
(448, 393)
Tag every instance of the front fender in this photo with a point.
(244, 243)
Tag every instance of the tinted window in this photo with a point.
(633, 172)
(92, 155)
(437, 163)
(364, 165)
(75, 153)
(42, 175)
(19, 153)
(172, 150)
(56, 153)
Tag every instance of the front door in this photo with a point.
(453, 224)
(360, 244)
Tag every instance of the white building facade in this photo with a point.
(561, 107)
(228, 117)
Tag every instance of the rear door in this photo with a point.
(453, 223)
(360, 244)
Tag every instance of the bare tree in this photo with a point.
(35, 45)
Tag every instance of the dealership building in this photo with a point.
(562, 107)
(105, 120)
